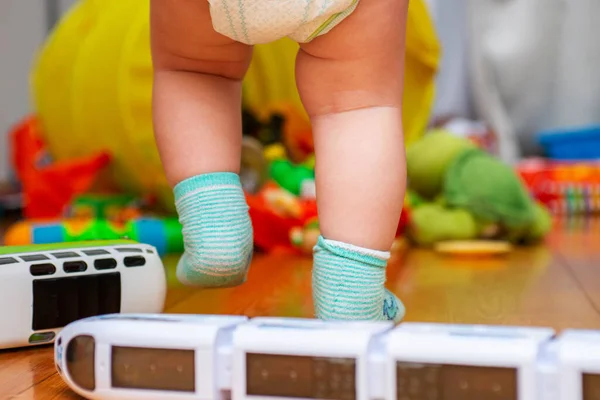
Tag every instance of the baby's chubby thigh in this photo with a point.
(183, 39)
(358, 64)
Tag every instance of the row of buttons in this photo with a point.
(68, 254)
(81, 266)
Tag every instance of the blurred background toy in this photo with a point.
(114, 207)
(291, 176)
(565, 187)
(305, 237)
(275, 212)
(466, 193)
(580, 143)
(164, 234)
(476, 248)
(49, 186)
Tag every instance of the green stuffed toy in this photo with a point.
(465, 193)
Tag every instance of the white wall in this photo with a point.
(535, 66)
(65, 4)
(452, 83)
(23, 26)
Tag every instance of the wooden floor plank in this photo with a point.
(528, 287)
(21, 370)
(52, 388)
(578, 246)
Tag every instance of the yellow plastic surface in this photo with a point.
(92, 86)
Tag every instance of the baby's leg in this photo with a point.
(351, 83)
(197, 120)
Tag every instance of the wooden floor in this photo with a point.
(556, 285)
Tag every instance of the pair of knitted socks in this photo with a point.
(348, 281)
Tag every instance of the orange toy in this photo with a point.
(271, 224)
(49, 187)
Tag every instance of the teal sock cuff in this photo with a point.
(366, 256)
(206, 180)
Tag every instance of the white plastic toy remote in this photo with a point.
(578, 356)
(45, 287)
(453, 362)
(147, 356)
(276, 358)
(224, 357)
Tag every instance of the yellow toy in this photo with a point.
(475, 248)
(92, 86)
(283, 202)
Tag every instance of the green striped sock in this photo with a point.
(217, 231)
(348, 284)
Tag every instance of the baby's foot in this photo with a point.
(217, 230)
(348, 284)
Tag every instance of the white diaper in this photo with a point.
(264, 21)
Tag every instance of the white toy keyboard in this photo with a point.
(229, 357)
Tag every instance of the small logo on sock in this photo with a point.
(390, 308)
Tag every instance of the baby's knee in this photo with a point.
(229, 69)
(228, 60)
(183, 39)
(333, 85)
